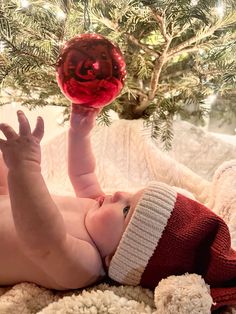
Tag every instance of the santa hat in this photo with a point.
(170, 234)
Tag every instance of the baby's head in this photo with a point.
(144, 229)
(108, 219)
(125, 227)
(171, 234)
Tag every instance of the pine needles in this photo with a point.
(177, 53)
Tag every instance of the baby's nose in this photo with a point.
(120, 196)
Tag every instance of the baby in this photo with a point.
(71, 242)
(58, 242)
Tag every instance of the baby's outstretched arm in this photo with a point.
(37, 219)
(3, 177)
(68, 261)
(81, 161)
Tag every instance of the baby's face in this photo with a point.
(107, 221)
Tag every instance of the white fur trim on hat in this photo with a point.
(142, 234)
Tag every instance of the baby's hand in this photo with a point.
(83, 119)
(22, 149)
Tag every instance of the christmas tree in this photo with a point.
(180, 54)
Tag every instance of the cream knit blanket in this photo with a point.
(126, 160)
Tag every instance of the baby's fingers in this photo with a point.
(8, 131)
(93, 112)
(39, 129)
(97, 111)
(85, 111)
(24, 126)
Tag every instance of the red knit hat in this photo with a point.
(170, 234)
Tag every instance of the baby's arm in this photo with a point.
(81, 161)
(70, 262)
(37, 219)
(3, 177)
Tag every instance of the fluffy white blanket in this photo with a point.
(126, 160)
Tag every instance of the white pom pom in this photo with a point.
(183, 294)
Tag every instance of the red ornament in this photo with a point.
(90, 70)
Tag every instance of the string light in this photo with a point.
(60, 15)
(2, 46)
(194, 2)
(24, 3)
(61, 43)
(206, 106)
(220, 9)
(46, 6)
(210, 99)
(201, 52)
(58, 12)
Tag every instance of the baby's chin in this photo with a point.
(92, 204)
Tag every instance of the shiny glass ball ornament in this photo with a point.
(90, 70)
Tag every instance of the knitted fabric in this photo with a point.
(126, 160)
(170, 234)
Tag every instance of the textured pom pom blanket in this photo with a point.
(127, 158)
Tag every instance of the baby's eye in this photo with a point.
(126, 210)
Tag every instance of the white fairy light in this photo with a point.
(46, 6)
(207, 105)
(201, 51)
(194, 2)
(210, 100)
(167, 95)
(60, 15)
(2, 46)
(24, 3)
(220, 9)
(61, 43)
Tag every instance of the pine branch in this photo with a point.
(162, 24)
(186, 51)
(159, 40)
(158, 65)
(144, 47)
(181, 48)
(23, 52)
(204, 34)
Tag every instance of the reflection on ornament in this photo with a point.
(90, 70)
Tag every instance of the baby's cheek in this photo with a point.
(99, 217)
(106, 215)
